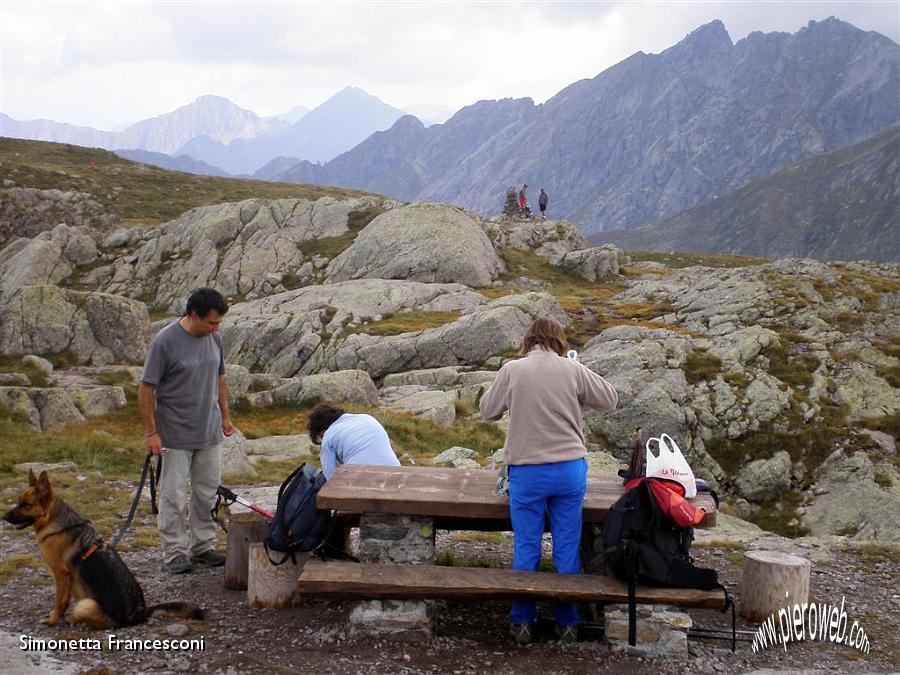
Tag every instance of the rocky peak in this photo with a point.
(707, 41)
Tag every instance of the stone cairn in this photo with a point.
(511, 210)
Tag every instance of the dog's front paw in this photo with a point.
(52, 619)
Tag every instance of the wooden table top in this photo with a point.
(458, 494)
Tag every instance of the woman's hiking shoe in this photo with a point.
(521, 633)
(209, 558)
(179, 565)
(567, 634)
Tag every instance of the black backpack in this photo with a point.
(641, 544)
(298, 525)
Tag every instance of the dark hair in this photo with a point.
(204, 300)
(322, 417)
(545, 333)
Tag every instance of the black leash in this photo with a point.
(147, 469)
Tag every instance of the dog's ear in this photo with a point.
(32, 480)
(43, 485)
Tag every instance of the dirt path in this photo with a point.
(470, 637)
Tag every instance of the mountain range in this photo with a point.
(231, 139)
(842, 205)
(334, 127)
(649, 137)
(695, 145)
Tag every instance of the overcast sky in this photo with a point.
(105, 63)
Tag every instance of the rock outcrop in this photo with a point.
(248, 248)
(94, 328)
(26, 212)
(548, 238)
(53, 408)
(850, 503)
(48, 258)
(428, 242)
(308, 331)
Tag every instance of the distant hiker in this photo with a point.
(542, 203)
(348, 439)
(523, 202)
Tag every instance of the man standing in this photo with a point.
(184, 406)
(349, 439)
(542, 203)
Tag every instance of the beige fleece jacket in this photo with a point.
(545, 395)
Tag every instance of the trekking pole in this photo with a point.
(229, 497)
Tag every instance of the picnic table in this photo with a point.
(455, 498)
(399, 509)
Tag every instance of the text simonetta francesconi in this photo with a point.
(112, 643)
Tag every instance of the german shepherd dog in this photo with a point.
(85, 569)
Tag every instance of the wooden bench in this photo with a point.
(377, 581)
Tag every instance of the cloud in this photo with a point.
(98, 63)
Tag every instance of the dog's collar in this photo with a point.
(80, 523)
(89, 551)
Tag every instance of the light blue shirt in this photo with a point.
(355, 439)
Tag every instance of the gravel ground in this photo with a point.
(470, 637)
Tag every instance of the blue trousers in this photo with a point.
(558, 490)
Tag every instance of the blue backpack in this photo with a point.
(298, 525)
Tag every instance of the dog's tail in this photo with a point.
(180, 610)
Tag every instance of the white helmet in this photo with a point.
(670, 464)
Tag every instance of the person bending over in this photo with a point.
(348, 438)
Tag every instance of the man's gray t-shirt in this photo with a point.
(185, 370)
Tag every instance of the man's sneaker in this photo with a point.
(179, 565)
(567, 634)
(209, 558)
(521, 633)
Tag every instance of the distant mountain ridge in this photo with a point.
(227, 137)
(337, 125)
(212, 116)
(181, 163)
(843, 205)
(649, 137)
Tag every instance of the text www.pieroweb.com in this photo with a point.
(810, 621)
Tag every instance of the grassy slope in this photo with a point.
(148, 195)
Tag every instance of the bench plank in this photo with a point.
(375, 581)
(454, 493)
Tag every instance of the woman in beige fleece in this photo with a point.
(545, 394)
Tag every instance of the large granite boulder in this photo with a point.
(591, 264)
(54, 408)
(864, 392)
(439, 406)
(235, 460)
(280, 447)
(94, 328)
(48, 258)
(420, 242)
(850, 503)
(764, 479)
(345, 386)
(547, 238)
